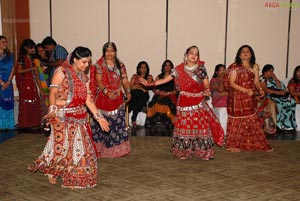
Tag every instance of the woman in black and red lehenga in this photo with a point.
(162, 107)
(196, 128)
(70, 152)
(242, 82)
(110, 78)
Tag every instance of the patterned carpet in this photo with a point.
(151, 173)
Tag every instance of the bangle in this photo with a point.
(54, 86)
(53, 108)
(104, 90)
(98, 116)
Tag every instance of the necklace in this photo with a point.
(190, 68)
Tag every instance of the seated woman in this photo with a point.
(217, 90)
(162, 106)
(276, 91)
(294, 85)
(139, 93)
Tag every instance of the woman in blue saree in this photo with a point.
(6, 89)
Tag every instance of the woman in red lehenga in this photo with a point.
(109, 78)
(27, 79)
(70, 152)
(196, 127)
(243, 126)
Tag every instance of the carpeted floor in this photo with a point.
(151, 173)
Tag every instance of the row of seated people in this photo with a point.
(277, 110)
(161, 108)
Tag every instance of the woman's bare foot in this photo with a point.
(51, 179)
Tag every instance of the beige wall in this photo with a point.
(138, 27)
(264, 29)
(200, 23)
(78, 23)
(294, 58)
(40, 23)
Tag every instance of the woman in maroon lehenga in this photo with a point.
(27, 79)
(196, 129)
(242, 82)
(70, 152)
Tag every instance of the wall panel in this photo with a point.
(294, 54)
(262, 27)
(78, 23)
(138, 29)
(39, 19)
(200, 23)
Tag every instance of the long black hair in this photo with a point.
(162, 74)
(40, 45)
(217, 69)
(27, 43)
(297, 80)
(79, 53)
(238, 54)
(138, 68)
(112, 45)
